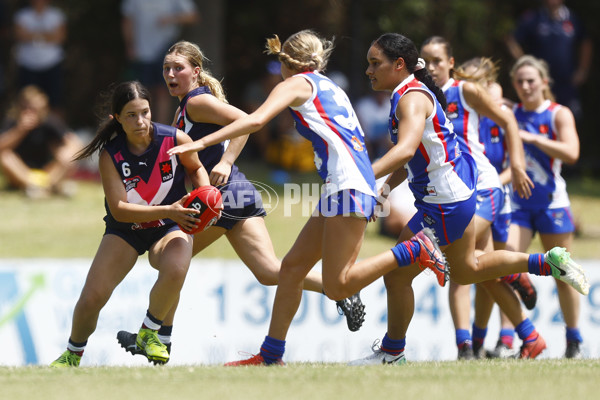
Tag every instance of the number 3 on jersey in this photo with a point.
(341, 100)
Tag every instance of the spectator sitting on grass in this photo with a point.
(36, 148)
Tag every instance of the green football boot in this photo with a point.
(567, 270)
(155, 351)
(66, 359)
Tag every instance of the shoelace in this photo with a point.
(376, 347)
(68, 358)
(153, 339)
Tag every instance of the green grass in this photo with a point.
(490, 380)
(72, 228)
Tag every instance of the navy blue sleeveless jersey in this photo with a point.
(152, 178)
(238, 193)
(197, 130)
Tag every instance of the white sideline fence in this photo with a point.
(224, 315)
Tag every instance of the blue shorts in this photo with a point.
(349, 202)
(555, 220)
(489, 203)
(501, 224)
(500, 228)
(142, 239)
(448, 221)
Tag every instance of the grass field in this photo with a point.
(489, 380)
(71, 228)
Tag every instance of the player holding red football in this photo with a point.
(144, 192)
(203, 109)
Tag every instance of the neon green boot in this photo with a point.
(66, 359)
(148, 340)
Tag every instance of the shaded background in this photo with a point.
(232, 34)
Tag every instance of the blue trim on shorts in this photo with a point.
(448, 221)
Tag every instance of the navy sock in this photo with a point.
(272, 350)
(165, 330)
(462, 335)
(406, 252)
(151, 322)
(164, 334)
(479, 334)
(573, 335)
(76, 348)
(392, 346)
(525, 329)
(537, 265)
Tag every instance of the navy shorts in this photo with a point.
(142, 239)
(231, 216)
(241, 201)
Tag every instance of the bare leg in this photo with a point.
(301, 258)
(251, 241)
(567, 296)
(171, 256)
(15, 170)
(113, 261)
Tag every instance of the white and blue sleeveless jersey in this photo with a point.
(328, 120)
(491, 136)
(466, 126)
(438, 173)
(550, 189)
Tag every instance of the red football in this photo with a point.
(207, 200)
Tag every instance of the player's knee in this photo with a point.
(291, 272)
(335, 289)
(464, 275)
(176, 273)
(267, 278)
(394, 282)
(93, 299)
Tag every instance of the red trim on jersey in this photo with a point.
(440, 134)
(423, 152)
(305, 124)
(325, 117)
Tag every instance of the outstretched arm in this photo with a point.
(190, 161)
(292, 91)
